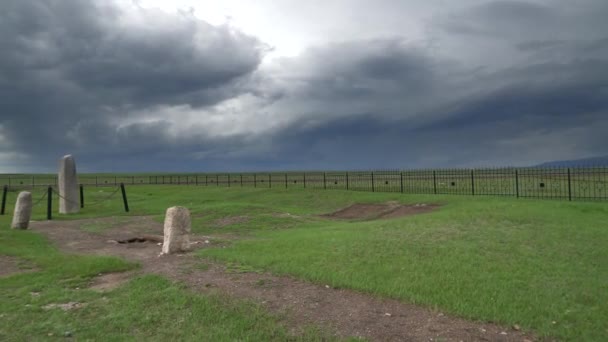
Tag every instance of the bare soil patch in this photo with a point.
(11, 265)
(300, 303)
(110, 281)
(64, 306)
(378, 211)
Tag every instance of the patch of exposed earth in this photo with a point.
(300, 303)
(378, 211)
(10, 265)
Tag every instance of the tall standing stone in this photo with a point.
(177, 230)
(23, 211)
(68, 186)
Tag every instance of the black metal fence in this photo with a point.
(588, 183)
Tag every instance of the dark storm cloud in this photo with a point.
(421, 110)
(496, 83)
(71, 64)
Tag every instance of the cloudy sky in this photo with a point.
(234, 85)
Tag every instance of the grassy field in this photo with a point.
(538, 264)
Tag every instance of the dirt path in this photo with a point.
(11, 265)
(344, 312)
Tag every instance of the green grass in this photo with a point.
(510, 261)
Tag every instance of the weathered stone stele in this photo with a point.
(23, 211)
(69, 202)
(177, 230)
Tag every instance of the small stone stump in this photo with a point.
(67, 181)
(23, 211)
(177, 230)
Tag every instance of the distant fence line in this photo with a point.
(588, 183)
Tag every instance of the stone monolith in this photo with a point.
(177, 230)
(69, 202)
(23, 211)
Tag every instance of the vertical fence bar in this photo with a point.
(124, 197)
(285, 181)
(304, 180)
(4, 192)
(217, 180)
(206, 180)
(270, 181)
(195, 179)
(516, 183)
(434, 182)
(96, 183)
(228, 180)
(472, 183)
(569, 186)
(401, 180)
(241, 180)
(255, 181)
(324, 181)
(347, 186)
(49, 203)
(373, 186)
(81, 196)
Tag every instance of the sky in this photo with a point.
(236, 85)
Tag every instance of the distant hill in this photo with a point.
(585, 162)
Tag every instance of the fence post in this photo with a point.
(304, 180)
(516, 184)
(286, 181)
(324, 181)
(195, 179)
(49, 203)
(124, 196)
(373, 186)
(228, 180)
(255, 180)
(569, 186)
(4, 192)
(434, 182)
(347, 186)
(270, 181)
(81, 196)
(96, 183)
(206, 181)
(241, 180)
(472, 183)
(401, 180)
(217, 180)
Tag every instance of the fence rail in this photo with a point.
(588, 183)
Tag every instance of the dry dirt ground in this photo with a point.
(10, 265)
(379, 211)
(299, 303)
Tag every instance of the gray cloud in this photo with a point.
(501, 83)
(74, 64)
